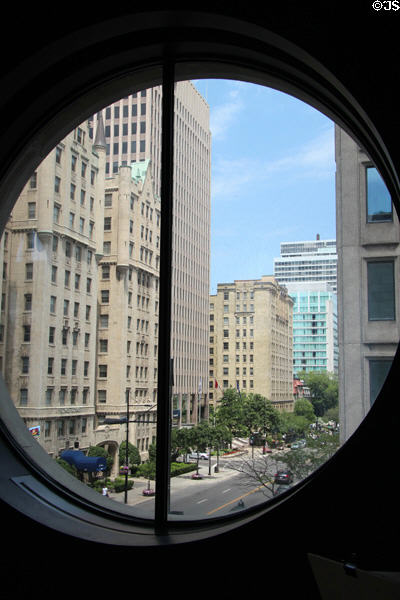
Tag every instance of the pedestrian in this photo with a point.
(105, 491)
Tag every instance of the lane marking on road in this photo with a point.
(228, 490)
(235, 500)
(204, 500)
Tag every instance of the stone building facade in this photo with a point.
(368, 245)
(52, 245)
(127, 344)
(251, 340)
(133, 134)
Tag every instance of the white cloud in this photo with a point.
(314, 159)
(222, 116)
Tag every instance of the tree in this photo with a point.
(304, 408)
(260, 415)
(201, 437)
(303, 461)
(293, 426)
(133, 454)
(324, 390)
(230, 412)
(180, 442)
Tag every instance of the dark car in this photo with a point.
(283, 476)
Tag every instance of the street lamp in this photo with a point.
(121, 420)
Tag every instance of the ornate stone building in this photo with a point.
(52, 245)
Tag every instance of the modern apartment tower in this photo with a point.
(133, 134)
(368, 241)
(251, 340)
(308, 261)
(315, 344)
(308, 269)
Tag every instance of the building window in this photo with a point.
(378, 371)
(379, 202)
(102, 370)
(381, 290)
(28, 302)
(102, 396)
(23, 397)
(25, 365)
(31, 210)
(29, 271)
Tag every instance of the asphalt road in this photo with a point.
(222, 493)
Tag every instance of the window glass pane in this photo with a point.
(99, 337)
(381, 291)
(378, 370)
(235, 431)
(256, 382)
(379, 202)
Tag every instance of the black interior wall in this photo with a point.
(349, 509)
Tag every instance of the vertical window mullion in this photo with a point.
(164, 344)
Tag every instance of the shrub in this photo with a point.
(65, 465)
(179, 468)
(146, 470)
(118, 485)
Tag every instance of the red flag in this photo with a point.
(216, 383)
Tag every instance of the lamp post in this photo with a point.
(114, 421)
(126, 446)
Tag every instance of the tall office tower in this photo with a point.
(368, 268)
(315, 344)
(52, 244)
(307, 261)
(128, 307)
(251, 340)
(133, 133)
(309, 271)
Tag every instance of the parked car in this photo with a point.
(283, 476)
(298, 444)
(200, 455)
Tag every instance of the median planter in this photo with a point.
(148, 491)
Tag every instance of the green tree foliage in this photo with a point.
(243, 414)
(293, 426)
(259, 414)
(304, 408)
(133, 454)
(304, 461)
(180, 442)
(201, 437)
(230, 412)
(65, 465)
(324, 390)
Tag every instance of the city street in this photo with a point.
(214, 495)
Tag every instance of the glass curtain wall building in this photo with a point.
(315, 345)
(309, 271)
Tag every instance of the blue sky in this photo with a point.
(273, 176)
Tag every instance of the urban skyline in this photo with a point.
(97, 396)
(273, 176)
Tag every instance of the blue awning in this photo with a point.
(82, 462)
